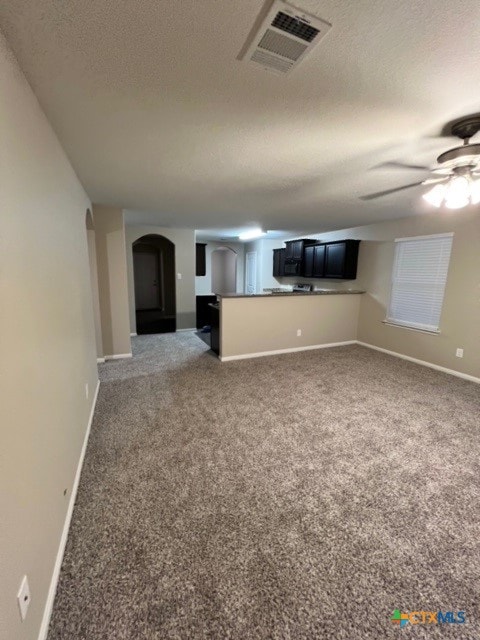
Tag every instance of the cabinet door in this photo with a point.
(351, 259)
(308, 262)
(318, 261)
(298, 250)
(294, 250)
(281, 253)
(289, 250)
(200, 259)
(335, 260)
(278, 262)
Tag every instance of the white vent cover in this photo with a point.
(285, 37)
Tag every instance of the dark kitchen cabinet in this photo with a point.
(294, 248)
(308, 262)
(341, 259)
(200, 259)
(335, 260)
(314, 261)
(278, 263)
(318, 261)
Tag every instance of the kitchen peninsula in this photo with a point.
(265, 324)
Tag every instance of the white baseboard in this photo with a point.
(424, 363)
(276, 352)
(63, 540)
(190, 329)
(118, 356)
(100, 360)
(132, 335)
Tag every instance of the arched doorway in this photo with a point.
(224, 270)
(154, 283)
(92, 259)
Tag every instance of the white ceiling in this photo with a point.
(159, 116)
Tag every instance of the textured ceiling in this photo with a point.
(158, 115)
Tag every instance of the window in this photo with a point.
(418, 281)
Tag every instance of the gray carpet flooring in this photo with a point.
(300, 496)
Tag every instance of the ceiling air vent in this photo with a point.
(285, 37)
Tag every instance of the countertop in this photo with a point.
(276, 294)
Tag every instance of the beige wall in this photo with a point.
(224, 271)
(460, 321)
(47, 346)
(270, 323)
(184, 241)
(112, 280)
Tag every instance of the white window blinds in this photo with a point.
(418, 282)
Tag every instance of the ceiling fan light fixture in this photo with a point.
(456, 203)
(475, 191)
(457, 193)
(436, 195)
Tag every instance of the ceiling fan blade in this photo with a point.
(434, 180)
(393, 164)
(379, 194)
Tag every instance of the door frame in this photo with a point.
(251, 258)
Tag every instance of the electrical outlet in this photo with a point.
(23, 597)
(299, 333)
(86, 390)
(459, 353)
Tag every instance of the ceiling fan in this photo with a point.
(458, 170)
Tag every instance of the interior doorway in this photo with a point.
(224, 270)
(154, 283)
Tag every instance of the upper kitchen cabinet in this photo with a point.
(278, 263)
(341, 259)
(314, 261)
(294, 248)
(308, 262)
(318, 261)
(200, 259)
(335, 260)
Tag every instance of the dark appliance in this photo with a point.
(203, 310)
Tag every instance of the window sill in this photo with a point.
(431, 332)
